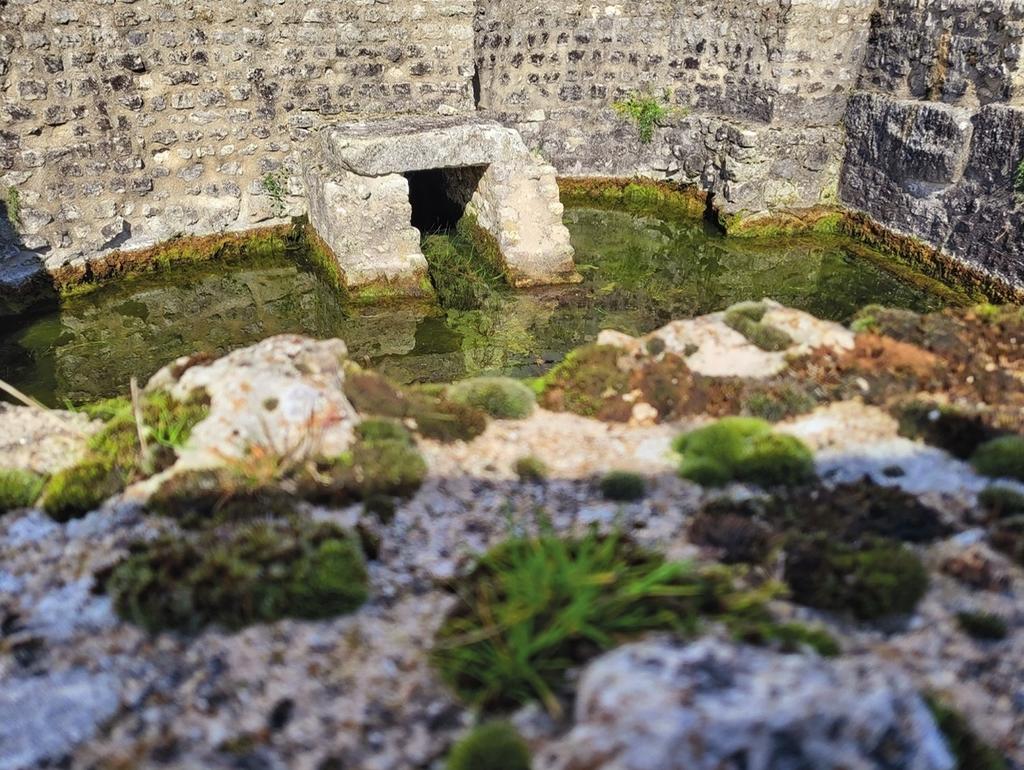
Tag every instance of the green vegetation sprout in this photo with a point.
(645, 111)
(743, 449)
(19, 488)
(500, 397)
(534, 608)
(530, 468)
(491, 746)
(274, 184)
(12, 204)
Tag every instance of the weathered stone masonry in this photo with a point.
(126, 122)
(123, 123)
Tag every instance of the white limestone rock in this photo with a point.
(283, 395)
(713, 705)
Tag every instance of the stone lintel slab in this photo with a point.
(418, 144)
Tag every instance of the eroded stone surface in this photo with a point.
(711, 705)
(712, 348)
(42, 441)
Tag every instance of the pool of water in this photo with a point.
(639, 272)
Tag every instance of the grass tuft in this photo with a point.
(534, 608)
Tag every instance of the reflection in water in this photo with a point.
(640, 272)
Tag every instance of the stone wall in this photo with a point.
(937, 134)
(759, 88)
(129, 122)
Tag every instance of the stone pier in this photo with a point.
(367, 181)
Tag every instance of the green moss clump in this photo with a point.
(1002, 458)
(206, 497)
(739, 539)
(745, 318)
(743, 449)
(584, 381)
(970, 751)
(534, 608)
(19, 488)
(1001, 502)
(383, 430)
(530, 468)
(75, 491)
(257, 573)
(434, 415)
(777, 403)
(983, 625)
(623, 486)
(114, 456)
(500, 397)
(491, 746)
(878, 579)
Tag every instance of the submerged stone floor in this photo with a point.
(895, 414)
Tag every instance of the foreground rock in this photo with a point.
(41, 441)
(282, 396)
(711, 705)
(713, 348)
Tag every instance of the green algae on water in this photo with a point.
(645, 254)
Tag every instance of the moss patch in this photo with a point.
(236, 577)
(583, 382)
(19, 488)
(114, 457)
(983, 625)
(1001, 458)
(623, 486)
(745, 318)
(530, 469)
(743, 449)
(491, 746)
(659, 199)
(77, 279)
(953, 429)
(430, 413)
(500, 397)
(875, 580)
(970, 751)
